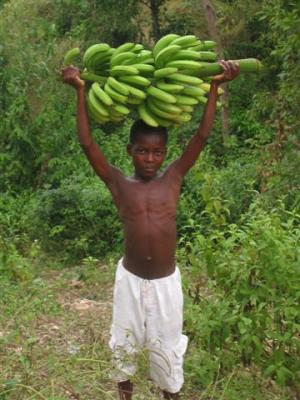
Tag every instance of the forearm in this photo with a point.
(83, 126)
(89, 146)
(208, 118)
(197, 142)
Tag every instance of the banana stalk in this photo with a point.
(246, 65)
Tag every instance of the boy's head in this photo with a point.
(147, 148)
(139, 127)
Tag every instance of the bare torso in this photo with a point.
(148, 212)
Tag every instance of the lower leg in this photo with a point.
(168, 395)
(125, 390)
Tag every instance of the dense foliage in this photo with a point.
(238, 219)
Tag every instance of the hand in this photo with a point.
(71, 76)
(230, 71)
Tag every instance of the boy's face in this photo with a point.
(148, 153)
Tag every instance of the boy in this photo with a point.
(148, 300)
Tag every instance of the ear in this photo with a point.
(129, 149)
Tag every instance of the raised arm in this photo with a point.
(71, 76)
(197, 142)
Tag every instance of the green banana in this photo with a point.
(187, 109)
(92, 50)
(184, 64)
(98, 118)
(164, 72)
(185, 41)
(197, 47)
(121, 109)
(185, 55)
(190, 72)
(147, 116)
(186, 100)
(115, 113)
(134, 100)
(157, 111)
(116, 119)
(135, 92)
(121, 58)
(116, 96)
(101, 95)
(167, 107)
(97, 106)
(137, 48)
(205, 86)
(193, 91)
(169, 87)
(207, 56)
(123, 70)
(163, 42)
(99, 59)
(143, 55)
(71, 55)
(144, 68)
(209, 44)
(183, 118)
(161, 94)
(124, 48)
(181, 78)
(135, 80)
(90, 76)
(202, 99)
(149, 60)
(117, 86)
(163, 122)
(164, 54)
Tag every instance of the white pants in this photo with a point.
(149, 314)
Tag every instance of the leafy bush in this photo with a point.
(77, 219)
(13, 266)
(249, 304)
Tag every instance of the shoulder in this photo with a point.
(172, 172)
(116, 176)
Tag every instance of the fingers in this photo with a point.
(230, 69)
(70, 72)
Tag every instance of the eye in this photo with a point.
(158, 152)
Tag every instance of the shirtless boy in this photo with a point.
(148, 300)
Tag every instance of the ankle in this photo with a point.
(171, 396)
(125, 390)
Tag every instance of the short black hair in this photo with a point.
(139, 127)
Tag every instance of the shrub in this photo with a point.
(250, 275)
(77, 219)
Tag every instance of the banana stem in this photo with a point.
(246, 65)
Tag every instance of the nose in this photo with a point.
(149, 157)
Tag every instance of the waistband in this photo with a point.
(174, 274)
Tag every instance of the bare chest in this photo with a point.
(156, 199)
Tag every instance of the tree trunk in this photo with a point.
(213, 30)
(154, 7)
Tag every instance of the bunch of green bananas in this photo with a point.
(164, 84)
(119, 77)
(177, 88)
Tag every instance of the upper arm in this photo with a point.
(189, 155)
(99, 163)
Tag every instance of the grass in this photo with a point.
(54, 332)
